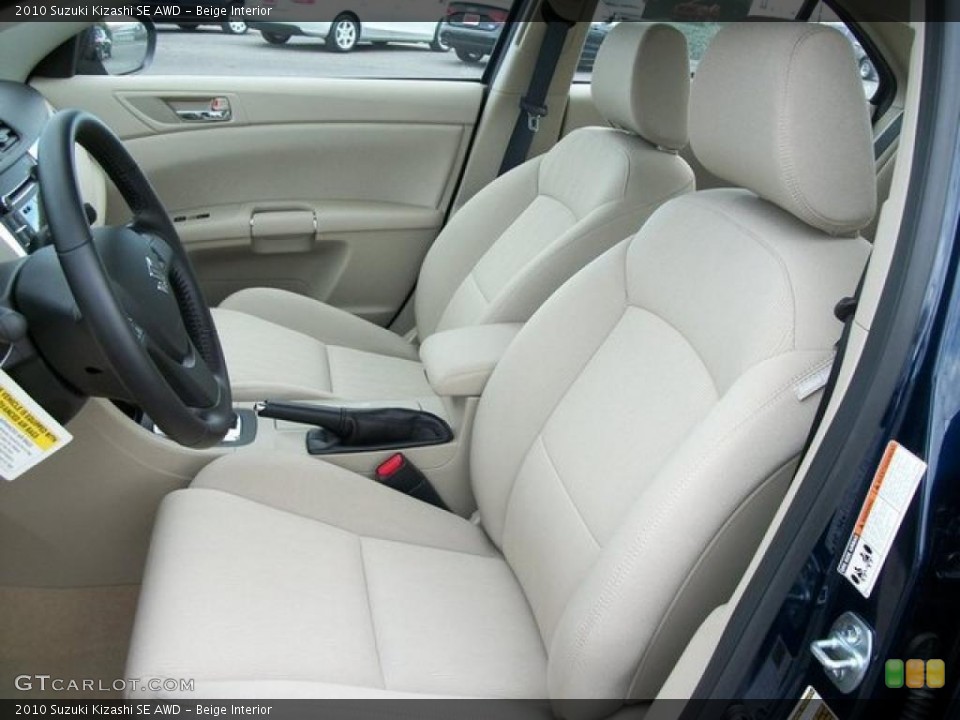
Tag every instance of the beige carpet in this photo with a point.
(73, 634)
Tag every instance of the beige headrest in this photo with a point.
(779, 109)
(641, 82)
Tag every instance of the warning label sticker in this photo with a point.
(812, 707)
(28, 434)
(884, 508)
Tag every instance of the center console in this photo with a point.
(112, 456)
(427, 436)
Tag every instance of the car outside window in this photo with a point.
(317, 38)
(698, 36)
(869, 74)
(700, 20)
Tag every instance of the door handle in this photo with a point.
(215, 110)
(203, 115)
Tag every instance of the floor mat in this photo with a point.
(69, 634)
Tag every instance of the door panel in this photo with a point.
(408, 31)
(333, 188)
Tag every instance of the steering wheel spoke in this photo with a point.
(190, 378)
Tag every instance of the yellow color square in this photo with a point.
(915, 673)
(936, 673)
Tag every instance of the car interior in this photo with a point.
(356, 415)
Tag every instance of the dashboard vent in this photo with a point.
(8, 138)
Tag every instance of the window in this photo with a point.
(869, 74)
(698, 36)
(699, 31)
(312, 38)
(611, 12)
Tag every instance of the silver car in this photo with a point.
(348, 28)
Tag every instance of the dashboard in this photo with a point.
(23, 115)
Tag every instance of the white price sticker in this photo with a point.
(884, 508)
(28, 434)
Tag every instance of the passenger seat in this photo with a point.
(627, 455)
(503, 254)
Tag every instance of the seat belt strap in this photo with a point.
(533, 104)
(885, 139)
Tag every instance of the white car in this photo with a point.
(348, 28)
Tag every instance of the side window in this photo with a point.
(869, 75)
(611, 12)
(435, 39)
(700, 29)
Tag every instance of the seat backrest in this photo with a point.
(527, 232)
(633, 443)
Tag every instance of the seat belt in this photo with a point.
(532, 104)
(886, 138)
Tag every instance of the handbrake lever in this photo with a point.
(329, 418)
(370, 429)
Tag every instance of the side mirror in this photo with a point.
(116, 48)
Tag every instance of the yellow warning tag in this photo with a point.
(28, 434)
(812, 707)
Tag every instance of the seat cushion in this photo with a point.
(315, 581)
(319, 321)
(269, 360)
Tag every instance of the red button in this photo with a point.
(390, 466)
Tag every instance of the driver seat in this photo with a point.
(503, 254)
(628, 453)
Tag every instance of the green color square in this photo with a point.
(893, 673)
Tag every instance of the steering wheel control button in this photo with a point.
(28, 433)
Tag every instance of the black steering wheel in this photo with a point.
(135, 288)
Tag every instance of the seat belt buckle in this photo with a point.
(398, 473)
(534, 113)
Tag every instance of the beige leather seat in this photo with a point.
(503, 253)
(628, 452)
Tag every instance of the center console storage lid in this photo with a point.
(459, 362)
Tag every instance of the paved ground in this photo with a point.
(209, 51)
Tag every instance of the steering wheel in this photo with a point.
(135, 288)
